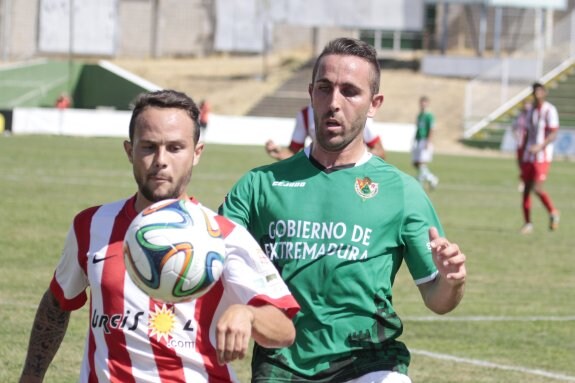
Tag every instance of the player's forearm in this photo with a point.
(550, 138)
(271, 328)
(442, 296)
(47, 333)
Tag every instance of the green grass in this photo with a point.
(511, 326)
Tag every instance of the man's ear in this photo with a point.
(198, 152)
(376, 103)
(128, 149)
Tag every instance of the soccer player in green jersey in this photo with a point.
(338, 222)
(422, 152)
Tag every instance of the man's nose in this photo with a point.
(160, 158)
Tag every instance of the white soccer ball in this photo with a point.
(174, 251)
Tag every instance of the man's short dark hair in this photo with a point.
(345, 46)
(166, 98)
(537, 85)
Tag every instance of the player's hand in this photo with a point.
(448, 258)
(271, 147)
(534, 149)
(233, 333)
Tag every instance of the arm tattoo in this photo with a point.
(47, 334)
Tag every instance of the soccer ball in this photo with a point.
(174, 251)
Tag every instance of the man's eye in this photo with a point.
(349, 92)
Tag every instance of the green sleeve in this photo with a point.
(419, 216)
(236, 205)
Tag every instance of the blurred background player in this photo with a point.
(305, 127)
(542, 128)
(519, 131)
(422, 152)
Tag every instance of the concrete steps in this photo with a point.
(288, 99)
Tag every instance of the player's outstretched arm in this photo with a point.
(48, 330)
(269, 327)
(444, 293)
(277, 152)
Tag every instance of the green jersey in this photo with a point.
(425, 122)
(338, 239)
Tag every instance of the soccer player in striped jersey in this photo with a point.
(537, 149)
(338, 222)
(305, 128)
(132, 337)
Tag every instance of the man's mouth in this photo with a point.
(156, 177)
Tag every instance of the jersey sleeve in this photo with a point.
(70, 282)
(419, 217)
(251, 278)
(431, 121)
(370, 137)
(236, 205)
(300, 132)
(552, 117)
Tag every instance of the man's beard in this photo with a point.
(175, 191)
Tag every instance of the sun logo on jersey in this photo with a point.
(366, 188)
(161, 322)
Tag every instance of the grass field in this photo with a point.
(515, 324)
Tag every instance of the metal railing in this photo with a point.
(504, 85)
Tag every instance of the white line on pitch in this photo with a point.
(476, 362)
(489, 318)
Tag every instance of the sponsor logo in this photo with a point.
(116, 321)
(366, 188)
(162, 325)
(286, 184)
(97, 259)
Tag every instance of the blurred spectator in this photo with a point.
(63, 101)
(205, 110)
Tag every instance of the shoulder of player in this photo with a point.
(279, 166)
(107, 209)
(390, 171)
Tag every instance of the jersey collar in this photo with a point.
(364, 158)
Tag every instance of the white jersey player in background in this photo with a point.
(537, 154)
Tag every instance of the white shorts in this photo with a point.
(382, 377)
(422, 152)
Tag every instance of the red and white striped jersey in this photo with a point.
(305, 127)
(542, 121)
(133, 338)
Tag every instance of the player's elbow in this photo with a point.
(283, 335)
(441, 309)
(284, 338)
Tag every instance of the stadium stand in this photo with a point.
(561, 94)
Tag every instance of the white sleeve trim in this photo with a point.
(426, 279)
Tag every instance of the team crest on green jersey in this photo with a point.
(366, 188)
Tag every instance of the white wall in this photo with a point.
(233, 130)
